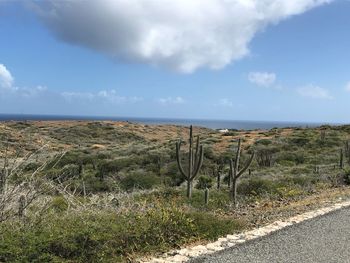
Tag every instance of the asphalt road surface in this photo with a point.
(325, 239)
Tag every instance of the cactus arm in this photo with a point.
(196, 152)
(200, 162)
(231, 175)
(246, 166)
(238, 155)
(178, 158)
(190, 155)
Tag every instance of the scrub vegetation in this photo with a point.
(79, 191)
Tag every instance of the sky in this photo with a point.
(273, 60)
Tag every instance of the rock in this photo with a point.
(177, 258)
(214, 247)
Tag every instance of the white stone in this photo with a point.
(232, 237)
(214, 247)
(239, 241)
(157, 260)
(183, 252)
(199, 248)
(177, 259)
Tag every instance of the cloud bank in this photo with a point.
(104, 96)
(182, 35)
(347, 87)
(171, 100)
(314, 92)
(263, 79)
(6, 79)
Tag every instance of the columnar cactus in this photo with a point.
(22, 203)
(3, 177)
(235, 172)
(195, 161)
(322, 135)
(341, 161)
(206, 196)
(347, 151)
(218, 181)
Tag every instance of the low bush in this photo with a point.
(107, 236)
(257, 186)
(346, 177)
(204, 181)
(139, 180)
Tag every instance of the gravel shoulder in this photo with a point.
(322, 239)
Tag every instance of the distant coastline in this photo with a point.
(212, 124)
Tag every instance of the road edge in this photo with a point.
(190, 252)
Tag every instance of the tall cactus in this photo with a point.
(3, 177)
(206, 196)
(195, 161)
(22, 203)
(341, 159)
(236, 172)
(347, 151)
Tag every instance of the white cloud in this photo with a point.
(263, 79)
(171, 100)
(347, 87)
(225, 103)
(30, 92)
(182, 35)
(314, 92)
(72, 96)
(6, 79)
(105, 95)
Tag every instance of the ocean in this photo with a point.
(212, 124)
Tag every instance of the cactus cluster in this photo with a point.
(195, 160)
(236, 172)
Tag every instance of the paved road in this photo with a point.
(324, 239)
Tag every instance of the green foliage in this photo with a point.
(211, 227)
(108, 237)
(264, 142)
(204, 181)
(59, 204)
(346, 177)
(173, 176)
(257, 186)
(292, 157)
(299, 141)
(139, 180)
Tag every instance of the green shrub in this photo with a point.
(299, 141)
(346, 177)
(139, 180)
(204, 181)
(211, 227)
(294, 157)
(173, 176)
(257, 186)
(264, 142)
(59, 204)
(303, 181)
(107, 236)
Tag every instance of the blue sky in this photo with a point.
(255, 60)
